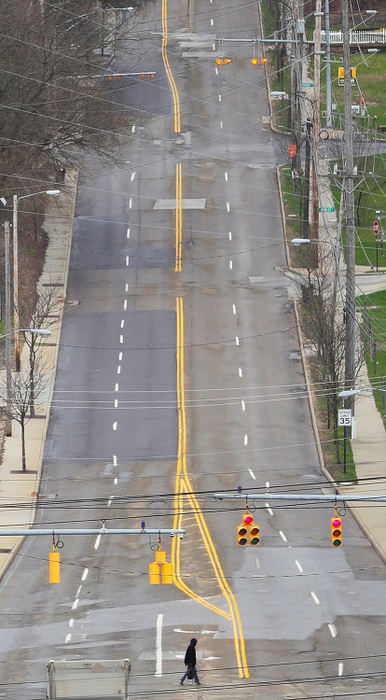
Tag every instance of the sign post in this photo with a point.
(376, 231)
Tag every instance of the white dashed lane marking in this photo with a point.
(115, 460)
(125, 304)
(85, 574)
(97, 541)
(234, 309)
(332, 629)
(219, 97)
(282, 535)
(340, 668)
(117, 387)
(132, 176)
(252, 474)
(228, 206)
(115, 403)
(126, 287)
(77, 594)
(237, 339)
(211, 22)
(269, 509)
(121, 339)
(230, 264)
(115, 481)
(115, 425)
(298, 564)
(216, 69)
(128, 233)
(75, 604)
(120, 356)
(226, 177)
(127, 260)
(67, 638)
(119, 369)
(230, 235)
(130, 202)
(221, 125)
(71, 622)
(315, 598)
(240, 372)
(245, 439)
(122, 322)
(242, 405)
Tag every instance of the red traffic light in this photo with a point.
(247, 518)
(336, 532)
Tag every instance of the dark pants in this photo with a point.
(195, 675)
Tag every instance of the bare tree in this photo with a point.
(18, 408)
(323, 325)
(43, 314)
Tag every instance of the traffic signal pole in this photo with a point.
(94, 531)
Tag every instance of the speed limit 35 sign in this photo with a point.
(344, 416)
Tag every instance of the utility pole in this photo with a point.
(7, 254)
(328, 63)
(316, 121)
(348, 187)
(16, 320)
(307, 169)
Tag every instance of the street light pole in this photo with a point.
(16, 316)
(16, 321)
(8, 331)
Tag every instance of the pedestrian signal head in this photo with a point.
(254, 61)
(264, 60)
(336, 531)
(227, 60)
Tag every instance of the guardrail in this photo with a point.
(361, 36)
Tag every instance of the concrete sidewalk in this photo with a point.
(16, 487)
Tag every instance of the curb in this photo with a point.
(367, 532)
(11, 556)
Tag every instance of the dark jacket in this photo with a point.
(190, 656)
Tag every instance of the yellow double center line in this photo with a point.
(176, 99)
(178, 263)
(184, 494)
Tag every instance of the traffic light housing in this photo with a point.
(248, 532)
(54, 566)
(160, 571)
(336, 531)
(242, 535)
(254, 534)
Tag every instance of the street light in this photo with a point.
(35, 331)
(16, 321)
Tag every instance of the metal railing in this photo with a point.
(357, 36)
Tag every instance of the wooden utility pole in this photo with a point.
(349, 208)
(316, 121)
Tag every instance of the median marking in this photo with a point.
(184, 495)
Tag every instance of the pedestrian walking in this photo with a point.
(190, 663)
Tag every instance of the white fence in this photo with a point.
(365, 36)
